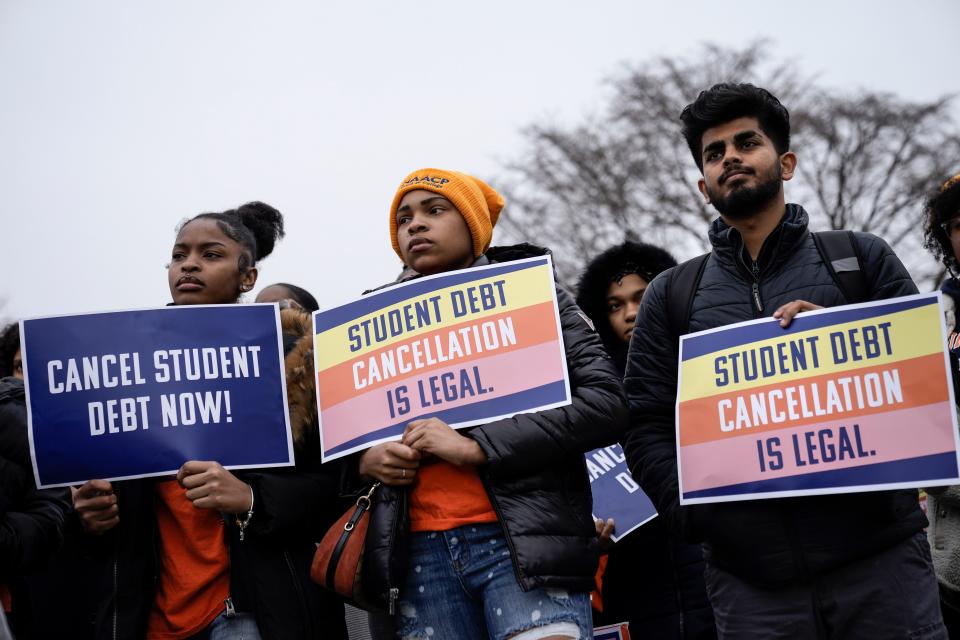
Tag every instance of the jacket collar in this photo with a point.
(11, 388)
(778, 246)
(951, 287)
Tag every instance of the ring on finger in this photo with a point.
(403, 473)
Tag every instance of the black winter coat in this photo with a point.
(31, 520)
(535, 474)
(768, 542)
(269, 569)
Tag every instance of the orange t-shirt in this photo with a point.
(447, 496)
(5, 598)
(194, 566)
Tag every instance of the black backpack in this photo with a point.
(838, 250)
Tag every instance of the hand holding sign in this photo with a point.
(438, 438)
(789, 310)
(391, 463)
(96, 504)
(210, 486)
(605, 531)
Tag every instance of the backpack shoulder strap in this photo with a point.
(682, 283)
(841, 254)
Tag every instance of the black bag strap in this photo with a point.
(841, 254)
(682, 283)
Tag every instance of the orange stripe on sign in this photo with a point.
(901, 385)
(532, 325)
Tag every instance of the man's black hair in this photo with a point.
(942, 207)
(724, 102)
(300, 296)
(644, 260)
(9, 345)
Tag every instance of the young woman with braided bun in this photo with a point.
(214, 553)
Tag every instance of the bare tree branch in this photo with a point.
(867, 160)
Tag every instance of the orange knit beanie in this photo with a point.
(476, 201)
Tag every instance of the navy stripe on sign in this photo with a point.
(335, 317)
(717, 341)
(514, 403)
(932, 467)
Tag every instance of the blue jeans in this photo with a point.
(461, 584)
(239, 626)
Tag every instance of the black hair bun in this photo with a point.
(266, 224)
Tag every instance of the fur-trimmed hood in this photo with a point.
(297, 327)
(644, 260)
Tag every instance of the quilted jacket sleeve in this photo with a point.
(651, 386)
(31, 530)
(529, 441)
(886, 275)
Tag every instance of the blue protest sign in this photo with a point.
(132, 394)
(615, 493)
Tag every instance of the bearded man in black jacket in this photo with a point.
(833, 566)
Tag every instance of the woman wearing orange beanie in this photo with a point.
(500, 541)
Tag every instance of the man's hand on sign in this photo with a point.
(605, 529)
(787, 312)
(210, 486)
(96, 504)
(438, 438)
(392, 463)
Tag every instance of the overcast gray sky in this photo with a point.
(118, 118)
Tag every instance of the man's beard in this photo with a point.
(745, 202)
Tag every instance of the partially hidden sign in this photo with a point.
(467, 347)
(615, 493)
(853, 398)
(131, 394)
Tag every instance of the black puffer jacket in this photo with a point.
(777, 541)
(269, 569)
(535, 474)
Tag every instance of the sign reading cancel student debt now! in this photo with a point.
(132, 394)
(467, 347)
(856, 398)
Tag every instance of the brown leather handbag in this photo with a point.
(338, 562)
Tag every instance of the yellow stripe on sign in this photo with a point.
(519, 288)
(911, 333)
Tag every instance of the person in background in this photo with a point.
(32, 521)
(942, 239)
(11, 364)
(217, 554)
(289, 292)
(652, 580)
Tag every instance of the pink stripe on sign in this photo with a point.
(897, 435)
(506, 374)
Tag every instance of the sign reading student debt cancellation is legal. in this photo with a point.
(132, 394)
(467, 347)
(855, 398)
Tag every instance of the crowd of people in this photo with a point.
(488, 531)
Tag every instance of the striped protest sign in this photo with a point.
(467, 347)
(853, 398)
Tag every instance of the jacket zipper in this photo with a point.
(394, 592)
(116, 595)
(755, 272)
(307, 618)
(503, 527)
